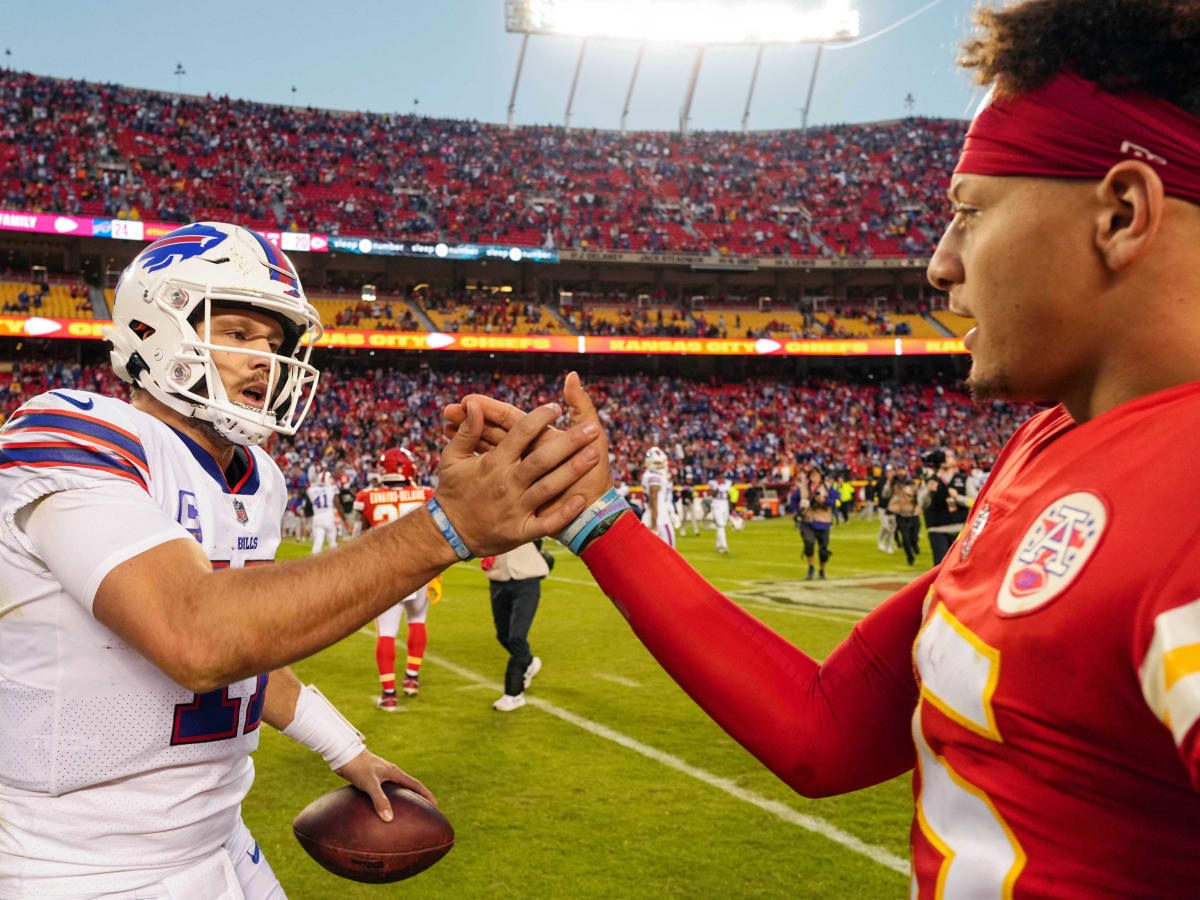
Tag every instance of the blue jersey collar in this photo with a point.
(246, 484)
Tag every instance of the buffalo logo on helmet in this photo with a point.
(183, 243)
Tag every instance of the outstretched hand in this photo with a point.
(525, 486)
(500, 418)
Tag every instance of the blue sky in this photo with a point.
(455, 57)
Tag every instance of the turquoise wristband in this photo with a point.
(448, 532)
(576, 534)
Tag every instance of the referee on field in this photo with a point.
(515, 582)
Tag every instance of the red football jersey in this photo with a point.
(1059, 668)
(1044, 679)
(387, 502)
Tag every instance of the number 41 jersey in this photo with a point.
(112, 776)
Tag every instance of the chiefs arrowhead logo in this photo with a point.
(1053, 552)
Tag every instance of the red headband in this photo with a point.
(1072, 128)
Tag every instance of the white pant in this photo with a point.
(666, 530)
(238, 871)
(720, 514)
(415, 606)
(323, 529)
(886, 539)
(693, 513)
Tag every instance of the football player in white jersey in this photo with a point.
(719, 489)
(656, 488)
(323, 497)
(141, 646)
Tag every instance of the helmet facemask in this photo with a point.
(291, 380)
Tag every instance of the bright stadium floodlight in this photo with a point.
(705, 22)
(699, 23)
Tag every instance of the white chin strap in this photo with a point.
(239, 431)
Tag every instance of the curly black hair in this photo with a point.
(1124, 45)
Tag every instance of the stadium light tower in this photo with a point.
(699, 23)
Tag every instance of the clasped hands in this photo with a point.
(508, 477)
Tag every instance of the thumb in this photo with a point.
(582, 408)
(469, 431)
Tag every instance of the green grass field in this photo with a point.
(610, 782)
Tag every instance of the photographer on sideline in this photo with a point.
(945, 497)
(814, 518)
(900, 494)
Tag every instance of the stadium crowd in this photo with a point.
(620, 314)
(94, 149)
(758, 431)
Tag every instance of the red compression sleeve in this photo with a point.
(823, 728)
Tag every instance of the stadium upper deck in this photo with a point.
(104, 150)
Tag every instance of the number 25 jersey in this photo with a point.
(109, 770)
(390, 501)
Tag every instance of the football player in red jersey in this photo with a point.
(396, 496)
(1043, 681)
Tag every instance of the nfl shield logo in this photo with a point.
(240, 511)
(977, 525)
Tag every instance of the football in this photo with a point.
(342, 832)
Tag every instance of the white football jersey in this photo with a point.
(323, 498)
(662, 481)
(113, 776)
(719, 490)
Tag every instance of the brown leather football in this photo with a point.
(342, 832)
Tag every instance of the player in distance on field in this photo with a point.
(720, 489)
(397, 495)
(322, 494)
(1043, 681)
(656, 489)
(142, 645)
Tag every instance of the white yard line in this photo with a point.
(783, 811)
(829, 615)
(744, 599)
(586, 583)
(617, 679)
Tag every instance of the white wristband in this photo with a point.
(319, 726)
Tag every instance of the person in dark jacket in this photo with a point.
(944, 497)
